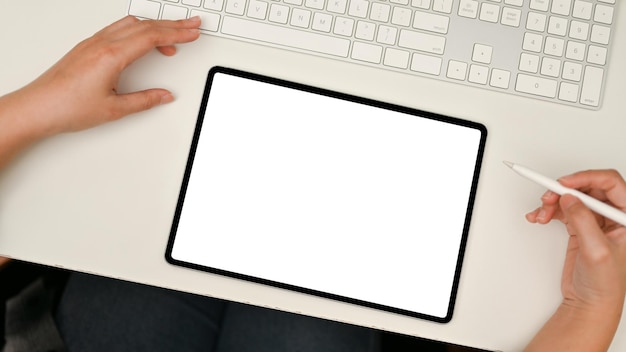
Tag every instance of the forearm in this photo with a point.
(578, 329)
(18, 128)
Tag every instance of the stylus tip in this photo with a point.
(508, 163)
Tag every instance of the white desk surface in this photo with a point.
(101, 201)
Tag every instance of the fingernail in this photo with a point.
(167, 98)
(195, 18)
(564, 178)
(541, 215)
(547, 195)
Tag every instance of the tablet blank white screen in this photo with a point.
(329, 195)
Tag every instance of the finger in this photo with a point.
(532, 216)
(126, 104)
(140, 26)
(582, 223)
(132, 42)
(167, 50)
(122, 23)
(550, 198)
(138, 45)
(602, 184)
(550, 207)
(543, 216)
(548, 210)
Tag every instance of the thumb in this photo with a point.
(582, 223)
(131, 103)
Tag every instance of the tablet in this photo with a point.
(328, 194)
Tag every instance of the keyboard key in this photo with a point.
(592, 85)
(422, 41)
(430, 22)
(421, 4)
(579, 30)
(557, 26)
(314, 4)
(511, 17)
(322, 22)
(387, 35)
(456, 70)
(426, 64)
(300, 18)
(367, 52)
(533, 42)
(401, 16)
(364, 30)
(172, 12)
(572, 71)
(195, 3)
(358, 8)
(500, 78)
(215, 5)
(561, 7)
(490, 13)
(582, 9)
(482, 53)
(279, 13)
(210, 21)
(145, 9)
(444, 6)
(550, 67)
(575, 51)
(568, 92)
(529, 63)
(285, 36)
(380, 12)
(536, 22)
(536, 85)
(468, 8)
(236, 7)
(539, 5)
(596, 55)
(337, 6)
(478, 74)
(343, 26)
(257, 9)
(600, 34)
(554, 46)
(514, 2)
(603, 14)
(396, 58)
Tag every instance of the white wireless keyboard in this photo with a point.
(554, 50)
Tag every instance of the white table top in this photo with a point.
(101, 201)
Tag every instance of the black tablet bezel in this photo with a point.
(423, 114)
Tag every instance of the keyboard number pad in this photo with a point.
(565, 50)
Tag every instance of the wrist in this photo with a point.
(592, 322)
(578, 327)
(598, 309)
(19, 125)
(22, 118)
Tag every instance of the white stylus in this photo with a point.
(592, 203)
